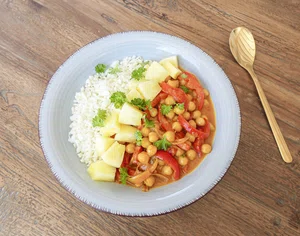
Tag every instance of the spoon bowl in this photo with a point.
(242, 46)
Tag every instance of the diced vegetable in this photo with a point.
(102, 144)
(156, 72)
(173, 71)
(149, 89)
(99, 170)
(114, 155)
(130, 115)
(111, 125)
(173, 60)
(126, 134)
(133, 93)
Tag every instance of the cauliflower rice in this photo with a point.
(93, 96)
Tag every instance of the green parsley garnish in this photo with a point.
(100, 68)
(99, 119)
(118, 98)
(148, 123)
(139, 137)
(162, 144)
(180, 106)
(142, 104)
(165, 109)
(138, 74)
(183, 75)
(184, 88)
(114, 70)
(123, 175)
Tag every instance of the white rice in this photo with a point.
(93, 96)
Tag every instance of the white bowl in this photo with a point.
(55, 112)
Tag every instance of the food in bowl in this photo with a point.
(142, 123)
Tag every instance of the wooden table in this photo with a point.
(259, 195)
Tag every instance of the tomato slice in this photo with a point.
(126, 159)
(158, 98)
(193, 83)
(165, 124)
(177, 93)
(197, 145)
(171, 161)
(203, 133)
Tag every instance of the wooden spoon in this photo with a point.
(242, 46)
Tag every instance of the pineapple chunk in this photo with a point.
(129, 115)
(99, 170)
(156, 72)
(173, 60)
(173, 71)
(111, 125)
(114, 155)
(102, 144)
(126, 134)
(133, 93)
(149, 89)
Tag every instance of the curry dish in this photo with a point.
(158, 132)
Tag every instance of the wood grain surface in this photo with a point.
(259, 195)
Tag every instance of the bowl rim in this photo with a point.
(179, 206)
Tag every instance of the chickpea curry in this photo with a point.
(175, 134)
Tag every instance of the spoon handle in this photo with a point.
(283, 148)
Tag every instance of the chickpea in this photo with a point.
(176, 126)
(153, 137)
(212, 127)
(150, 181)
(193, 123)
(191, 137)
(145, 131)
(170, 136)
(178, 111)
(179, 152)
(130, 148)
(171, 114)
(143, 158)
(151, 150)
(196, 114)
(145, 142)
(161, 162)
(153, 112)
(186, 115)
(173, 83)
(206, 148)
(206, 93)
(200, 121)
(191, 154)
(206, 103)
(183, 160)
(194, 94)
(182, 82)
(189, 97)
(175, 118)
(167, 170)
(170, 100)
(191, 106)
